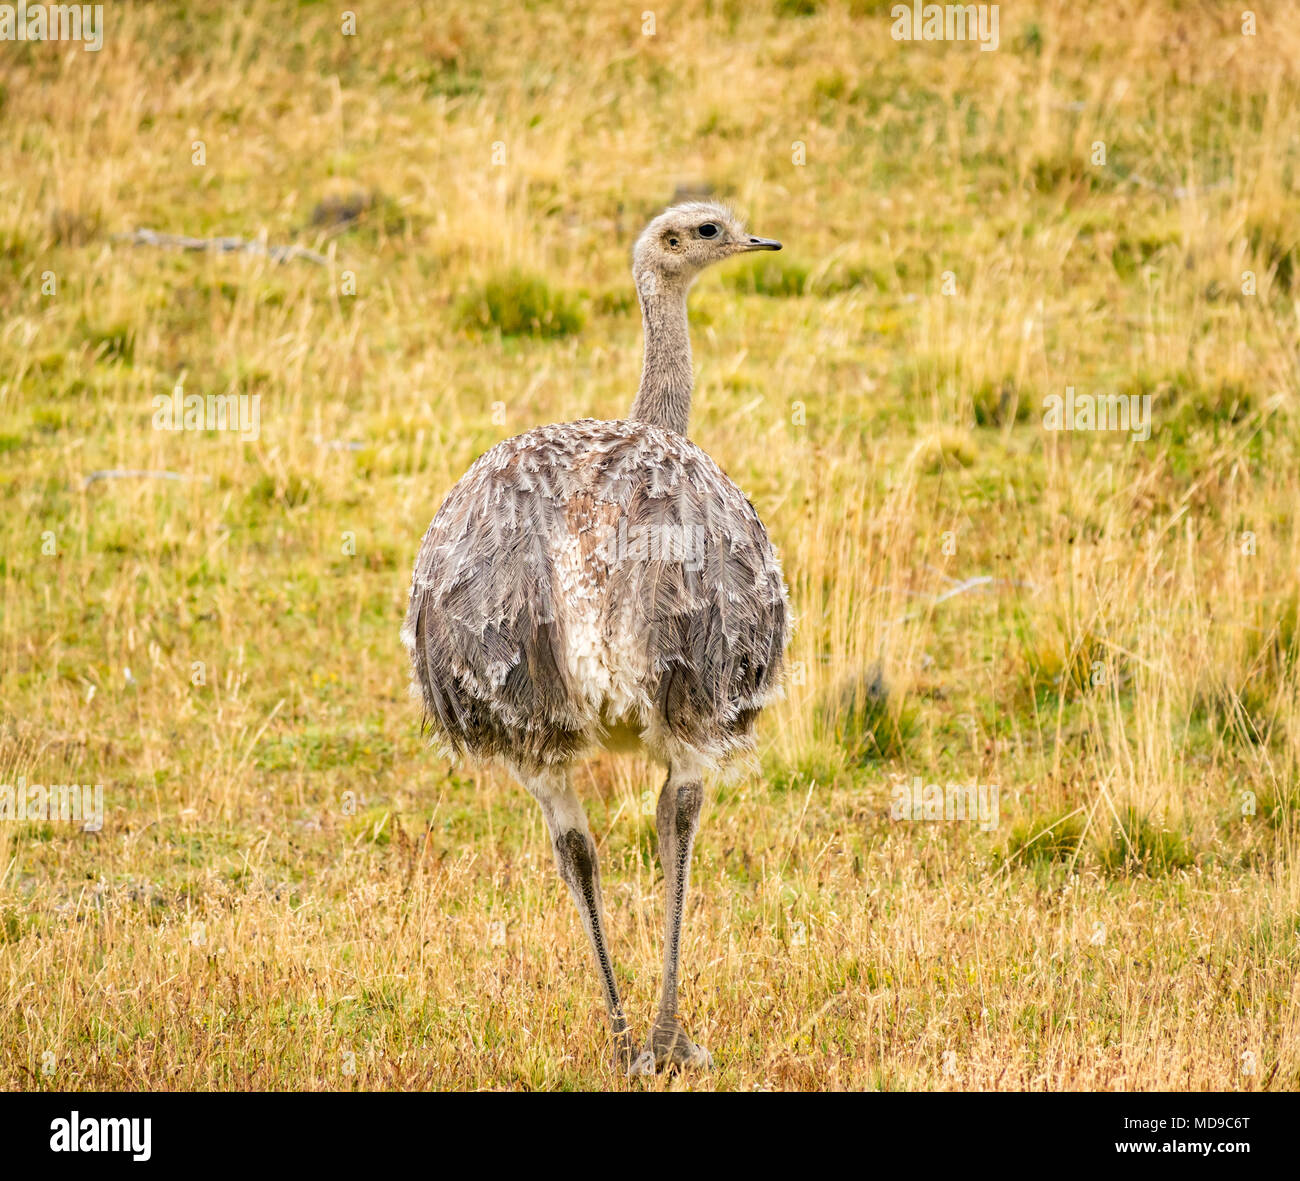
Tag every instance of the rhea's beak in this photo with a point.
(760, 244)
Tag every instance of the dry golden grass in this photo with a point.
(291, 891)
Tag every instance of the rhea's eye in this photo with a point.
(708, 230)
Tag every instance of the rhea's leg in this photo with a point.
(677, 817)
(575, 857)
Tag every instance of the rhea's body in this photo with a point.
(596, 583)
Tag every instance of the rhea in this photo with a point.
(604, 584)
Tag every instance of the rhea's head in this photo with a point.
(685, 239)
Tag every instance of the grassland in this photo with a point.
(291, 891)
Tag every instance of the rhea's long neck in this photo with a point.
(664, 398)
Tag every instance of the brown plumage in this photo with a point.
(537, 624)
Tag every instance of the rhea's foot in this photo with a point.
(671, 1049)
(625, 1052)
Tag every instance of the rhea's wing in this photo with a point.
(715, 620)
(483, 625)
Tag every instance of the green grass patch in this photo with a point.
(519, 304)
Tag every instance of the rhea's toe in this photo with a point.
(642, 1065)
(700, 1060)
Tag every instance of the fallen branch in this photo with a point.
(133, 473)
(1177, 192)
(221, 245)
(978, 582)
